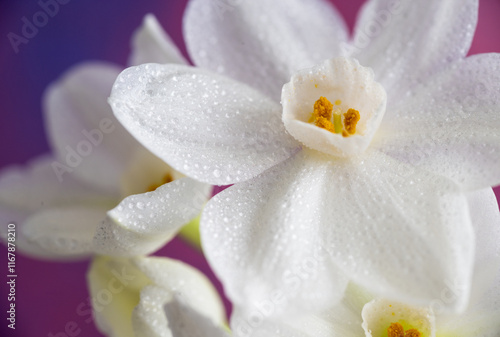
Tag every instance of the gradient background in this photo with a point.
(48, 293)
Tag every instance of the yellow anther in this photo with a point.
(166, 179)
(412, 333)
(395, 330)
(351, 119)
(325, 124)
(328, 118)
(323, 108)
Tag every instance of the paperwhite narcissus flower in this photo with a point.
(129, 295)
(361, 314)
(61, 202)
(312, 209)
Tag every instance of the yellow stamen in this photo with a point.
(351, 119)
(324, 123)
(395, 330)
(323, 113)
(412, 333)
(166, 179)
(323, 108)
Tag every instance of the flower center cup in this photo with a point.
(145, 173)
(382, 318)
(345, 127)
(167, 178)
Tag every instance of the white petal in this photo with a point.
(481, 317)
(485, 216)
(205, 126)
(258, 324)
(148, 317)
(64, 233)
(451, 124)
(36, 187)
(34, 191)
(343, 320)
(184, 282)
(82, 130)
(260, 42)
(400, 232)
(265, 242)
(407, 41)
(10, 217)
(143, 223)
(151, 44)
(114, 286)
(184, 321)
(480, 320)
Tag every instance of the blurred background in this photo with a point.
(48, 293)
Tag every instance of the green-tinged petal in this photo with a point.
(191, 233)
(115, 285)
(128, 295)
(186, 283)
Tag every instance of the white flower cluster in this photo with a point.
(361, 172)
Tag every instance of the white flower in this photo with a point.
(361, 314)
(129, 296)
(60, 202)
(387, 212)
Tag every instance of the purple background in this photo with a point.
(48, 293)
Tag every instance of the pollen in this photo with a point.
(323, 108)
(351, 119)
(412, 333)
(325, 124)
(167, 178)
(397, 330)
(329, 118)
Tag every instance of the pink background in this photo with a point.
(48, 293)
